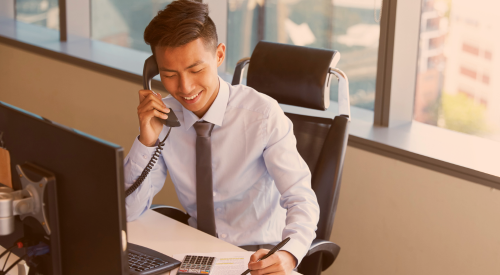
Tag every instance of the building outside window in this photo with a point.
(457, 58)
(122, 22)
(349, 26)
(44, 13)
(345, 25)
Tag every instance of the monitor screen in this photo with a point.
(90, 190)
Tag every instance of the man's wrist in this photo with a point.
(152, 144)
(294, 259)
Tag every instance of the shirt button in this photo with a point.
(223, 235)
(144, 156)
(219, 209)
(215, 193)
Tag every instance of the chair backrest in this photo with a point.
(292, 75)
(322, 143)
(301, 76)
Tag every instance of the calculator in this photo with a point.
(196, 265)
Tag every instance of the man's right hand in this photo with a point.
(147, 110)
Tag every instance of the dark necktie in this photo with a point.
(204, 187)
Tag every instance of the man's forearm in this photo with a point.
(301, 220)
(135, 162)
(293, 180)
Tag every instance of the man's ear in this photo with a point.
(220, 53)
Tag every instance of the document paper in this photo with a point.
(226, 263)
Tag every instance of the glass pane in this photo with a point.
(39, 12)
(345, 25)
(122, 22)
(458, 57)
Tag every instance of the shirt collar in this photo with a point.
(215, 113)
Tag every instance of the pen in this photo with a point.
(276, 248)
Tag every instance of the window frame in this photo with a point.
(393, 133)
(397, 63)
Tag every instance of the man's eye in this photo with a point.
(198, 71)
(169, 76)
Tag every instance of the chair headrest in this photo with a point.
(292, 75)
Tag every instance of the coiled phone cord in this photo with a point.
(149, 167)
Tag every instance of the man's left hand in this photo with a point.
(281, 262)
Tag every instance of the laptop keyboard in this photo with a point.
(142, 262)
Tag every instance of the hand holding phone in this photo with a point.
(152, 111)
(153, 114)
(151, 106)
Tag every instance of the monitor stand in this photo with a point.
(36, 205)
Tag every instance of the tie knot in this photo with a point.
(203, 129)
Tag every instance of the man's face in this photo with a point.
(189, 73)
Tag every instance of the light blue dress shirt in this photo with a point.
(261, 185)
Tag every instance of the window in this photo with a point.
(462, 42)
(486, 79)
(39, 12)
(468, 72)
(487, 55)
(454, 89)
(343, 25)
(470, 49)
(433, 23)
(122, 22)
(436, 42)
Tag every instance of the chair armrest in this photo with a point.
(343, 92)
(238, 71)
(330, 251)
(171, 212)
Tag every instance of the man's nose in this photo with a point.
(185, 84)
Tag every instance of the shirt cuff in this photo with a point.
(297, 250)
(141, 154)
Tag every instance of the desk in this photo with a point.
(168, 236)
(163, 234)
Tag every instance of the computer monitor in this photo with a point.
(90, 192)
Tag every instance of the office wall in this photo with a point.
(89, 101)
(397, 218)
(393, 218)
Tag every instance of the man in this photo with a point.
(261, 185)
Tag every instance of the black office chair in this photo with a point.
(301, 76)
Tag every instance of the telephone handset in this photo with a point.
(150, 71)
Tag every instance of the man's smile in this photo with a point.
(192, 97)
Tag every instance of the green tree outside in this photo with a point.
(462, 114)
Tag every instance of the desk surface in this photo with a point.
(170, 237)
